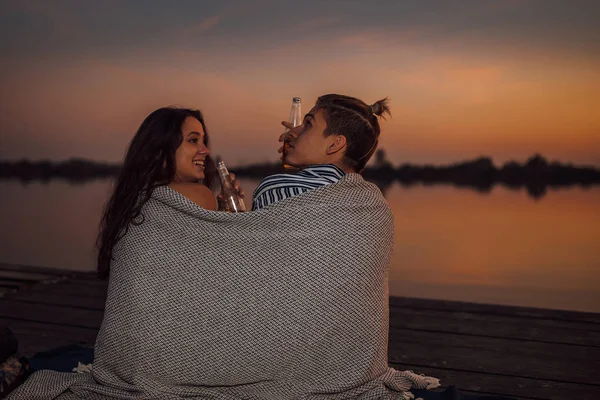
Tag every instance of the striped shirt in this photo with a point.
(281, 186)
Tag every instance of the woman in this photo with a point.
(169, 148)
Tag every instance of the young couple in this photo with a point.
(289, 301)
(171, 147)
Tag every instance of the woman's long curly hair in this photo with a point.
(149, 162)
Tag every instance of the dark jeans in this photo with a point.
(62, 359)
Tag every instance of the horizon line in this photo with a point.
(385, 160)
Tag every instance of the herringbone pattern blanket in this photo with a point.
(287, 302)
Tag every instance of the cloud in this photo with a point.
(316, 23)
(493, 7)
(376, 39)
(204, 26)
(208, 23)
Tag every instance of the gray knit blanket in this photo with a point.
(287, 302)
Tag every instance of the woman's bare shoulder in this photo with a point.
(197, 193)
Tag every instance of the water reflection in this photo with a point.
(449, 244)
(497, 248)
(535, 190)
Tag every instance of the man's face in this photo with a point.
(310, 147)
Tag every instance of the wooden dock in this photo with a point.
(525, 353)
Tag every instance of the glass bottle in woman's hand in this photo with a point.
(231, 198)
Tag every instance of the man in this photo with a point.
(338, 136)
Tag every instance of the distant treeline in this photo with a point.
(76, 170)
(536, 174)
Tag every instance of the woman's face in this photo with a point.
(191, 153)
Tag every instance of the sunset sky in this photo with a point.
(504, 79)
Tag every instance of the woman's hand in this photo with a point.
(236, 186)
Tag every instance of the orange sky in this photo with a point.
(485, 80)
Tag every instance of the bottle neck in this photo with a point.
(295, 114)
(224, 177)
(223, 174)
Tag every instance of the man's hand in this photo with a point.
(289, 135)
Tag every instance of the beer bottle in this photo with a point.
(232, 202)
(295, 119)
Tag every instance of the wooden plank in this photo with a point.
(40, 342)
(58, 298)
(23, 328)
(34, 337)
(87, 282)
(519, 312)
(426, 320)
(43, 270)
(72, 287)
(501, 326)
(565, 363)
(71, 316)
(34, 344)
(490, 384)
(24, 276)
(9, 284)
